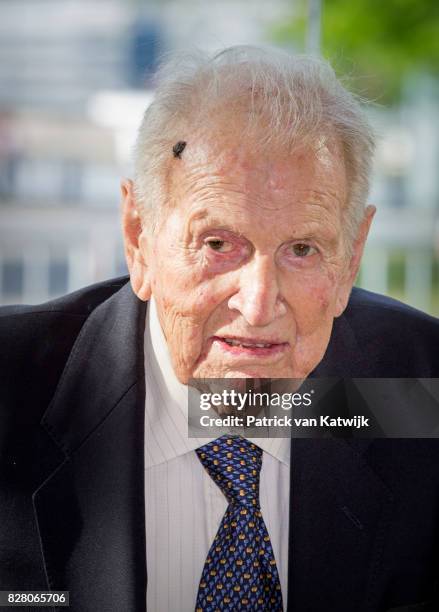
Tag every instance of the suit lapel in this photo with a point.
(90, 510)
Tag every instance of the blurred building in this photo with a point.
(76, 78)
(402, 253)
(59, 165)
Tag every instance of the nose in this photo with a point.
(258, 298)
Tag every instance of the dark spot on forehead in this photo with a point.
(178, 148)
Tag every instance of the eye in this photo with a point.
(301, 249)
(221, 246)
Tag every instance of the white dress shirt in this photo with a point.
(183, 506)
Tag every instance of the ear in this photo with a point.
(135, 243)
(354, 263)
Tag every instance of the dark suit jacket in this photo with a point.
(364, 513)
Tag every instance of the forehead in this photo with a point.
(219, 170)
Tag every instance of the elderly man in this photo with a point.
(244, 229)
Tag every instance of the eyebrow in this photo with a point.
(214, 222)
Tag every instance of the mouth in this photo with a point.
(251, 347)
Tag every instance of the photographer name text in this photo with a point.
(356, 422)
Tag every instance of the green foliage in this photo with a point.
(377, 42)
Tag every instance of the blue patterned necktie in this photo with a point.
(240, 571)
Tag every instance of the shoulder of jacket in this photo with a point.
(35, 342)
(397, 337)
(386, 311)
(81, 302)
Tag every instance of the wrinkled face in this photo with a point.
(248, 265)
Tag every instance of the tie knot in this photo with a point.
(234, 464)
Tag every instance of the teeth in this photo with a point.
(232, 342)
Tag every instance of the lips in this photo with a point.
(247, 343)
(251, 347)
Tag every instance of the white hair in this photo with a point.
(299, 97)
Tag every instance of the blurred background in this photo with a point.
(75, 79)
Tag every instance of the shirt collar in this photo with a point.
(166, 425)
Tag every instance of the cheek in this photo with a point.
(190, 291)
(187, 300)
(314, 317)
(321, 297)
(312, 299)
